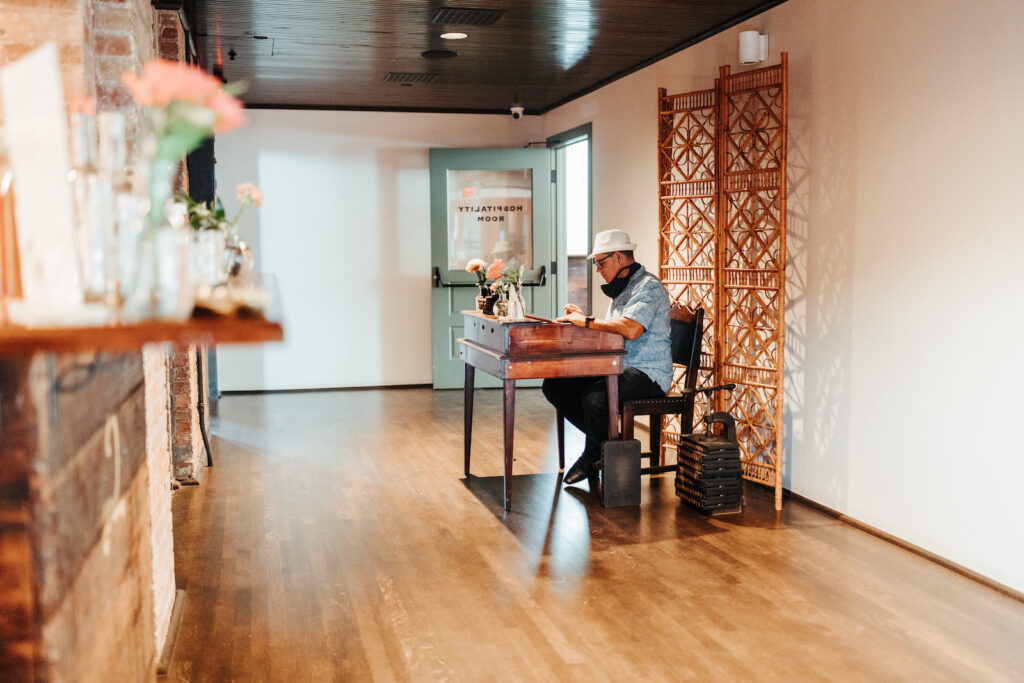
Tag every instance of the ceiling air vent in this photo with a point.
(399, 77)
(467, 16)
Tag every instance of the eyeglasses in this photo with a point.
(599, 262)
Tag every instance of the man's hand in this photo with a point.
(627, 327)
(574, 316)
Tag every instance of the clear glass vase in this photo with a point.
(516, 306)
(207, 254)
(162, 283)
(238, 257)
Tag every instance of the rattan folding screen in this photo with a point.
(722, 246)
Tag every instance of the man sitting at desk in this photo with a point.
(639, 311)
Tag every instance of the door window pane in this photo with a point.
(490, 215)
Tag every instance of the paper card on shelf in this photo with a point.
(36, 136)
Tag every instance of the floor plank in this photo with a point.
(336, 539)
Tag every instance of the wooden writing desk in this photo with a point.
(534, 350)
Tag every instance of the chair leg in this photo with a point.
(627, 423)
(657, 459)
(560, 426)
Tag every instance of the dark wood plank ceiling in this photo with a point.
(538, 53)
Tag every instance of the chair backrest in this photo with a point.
(686, 335)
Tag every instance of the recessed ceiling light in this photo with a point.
(454, 36)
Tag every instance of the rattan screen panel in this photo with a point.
(688, 155)
(722, 164)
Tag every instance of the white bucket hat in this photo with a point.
(611, 240)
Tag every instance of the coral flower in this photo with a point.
(494, 270)
(163, 80)
(228, 109)
(167, 84)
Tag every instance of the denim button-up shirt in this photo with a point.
(646, 301)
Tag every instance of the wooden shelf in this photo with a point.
(202, 330)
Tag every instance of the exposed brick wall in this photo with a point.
(186, 437)
(91, 522)
(27, 24)
(121, 36)
(158, 462)
(86, 551)
(75, 526)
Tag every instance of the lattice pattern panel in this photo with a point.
(722, 166)
(751, 286)
(687, 159)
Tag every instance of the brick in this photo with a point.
(45, 5)
(68, 54)
(109, 70)
(109, 17)
(113, 44)
(109, 96)
(37, 27)
(170, 36)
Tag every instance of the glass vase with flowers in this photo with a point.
(484, 300)
(239, 255)
(496, 292)
(182, 107)
(216, 251)
(512, 283)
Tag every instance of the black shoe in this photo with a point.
(578, 472)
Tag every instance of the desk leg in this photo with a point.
(613, 407)
(510, 414)
(467, 416)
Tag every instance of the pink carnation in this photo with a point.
(475, 265)
(229, 111)
(494, 270)
(163, 81)
(249, 194)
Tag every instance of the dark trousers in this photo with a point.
(583, 401)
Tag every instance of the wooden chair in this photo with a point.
(687, 333)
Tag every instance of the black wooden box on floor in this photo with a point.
(708, 474)
(620, 473)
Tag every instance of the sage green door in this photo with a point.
(486, 204)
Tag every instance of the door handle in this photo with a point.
(540, 281)
(438, 282)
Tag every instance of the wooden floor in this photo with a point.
(336, 539)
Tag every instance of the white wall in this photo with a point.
(905, 235)
(345, 228)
